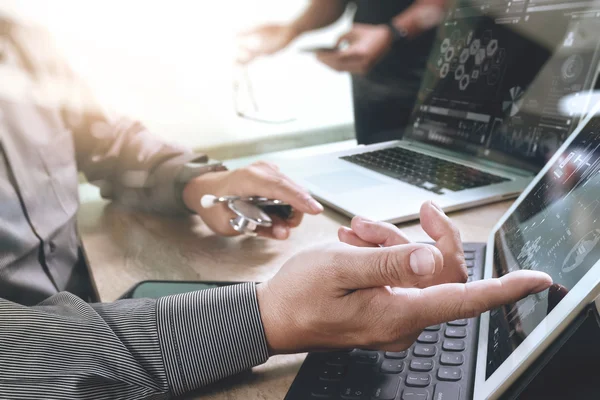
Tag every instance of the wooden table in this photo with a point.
(127, 247)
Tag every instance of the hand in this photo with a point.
(259, 179)
(366, 233)
(367, 44)
(343, 296)
(263, 40)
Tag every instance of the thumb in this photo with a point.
(402, 266)
(345, 38)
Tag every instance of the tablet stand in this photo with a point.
(569, 369)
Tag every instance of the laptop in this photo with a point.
(489, 113)
(554, 226)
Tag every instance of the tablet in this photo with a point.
(554, 226)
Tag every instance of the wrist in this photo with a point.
(275, 333)
(197, 187)
(186, 181)
(397, 33)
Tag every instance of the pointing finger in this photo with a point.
(379, 233)
(442, 303)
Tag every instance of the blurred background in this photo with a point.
(170, 65)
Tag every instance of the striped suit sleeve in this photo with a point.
(65, 348)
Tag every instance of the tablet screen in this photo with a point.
(556, 229)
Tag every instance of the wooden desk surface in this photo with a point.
(125, 247)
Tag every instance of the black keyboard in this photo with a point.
(421, 170)
(439, 366)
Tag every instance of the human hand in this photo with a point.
(366, 45)
(344, 296)
(263, 40)
(259, 179)
(366, 233)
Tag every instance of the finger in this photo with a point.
(346, 37)
(379, 233)
(218, 220)
(259, 182)
(404, 265)
(447, 237)
(330, 58)
(295, 219)
(347, 235)
(437, 224)
(344, 64)
(350, 61)
(279, 230)
(442, 303)
(357, 68)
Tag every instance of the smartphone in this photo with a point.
(318, 49)
(156, 289)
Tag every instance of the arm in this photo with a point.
(367, 44)
(318, 14)
(133, 349)
(420, 17)
(271, 38)
(135, 168)
(129, 164)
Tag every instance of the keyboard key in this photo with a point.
(446, 391)
(365, 357)
(332, 373)
(449, 374)
(421, 365)
(386, 387)
(418, 380)
(324, 390)
(428, 337)
(354, 392)
(470, 272)
(433, 328)
(415, 394)
(470, 263)
(452, 359)
(338, 359)
(392, 366)
(469, 255)
(459, 322)
(453, 345)
(456, 332)
(422, 350)
(398, 355)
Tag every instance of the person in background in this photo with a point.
(373, 289)
(386, 52)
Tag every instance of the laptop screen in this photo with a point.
(497, 74)
(555, 229)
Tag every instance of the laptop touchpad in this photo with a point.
(343, 181)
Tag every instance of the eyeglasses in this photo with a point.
(243, 85)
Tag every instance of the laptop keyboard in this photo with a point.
(421, 170)
(438, 366)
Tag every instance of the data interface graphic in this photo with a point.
(497, 75)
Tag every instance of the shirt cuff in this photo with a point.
(210, 334)
(163, 193)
